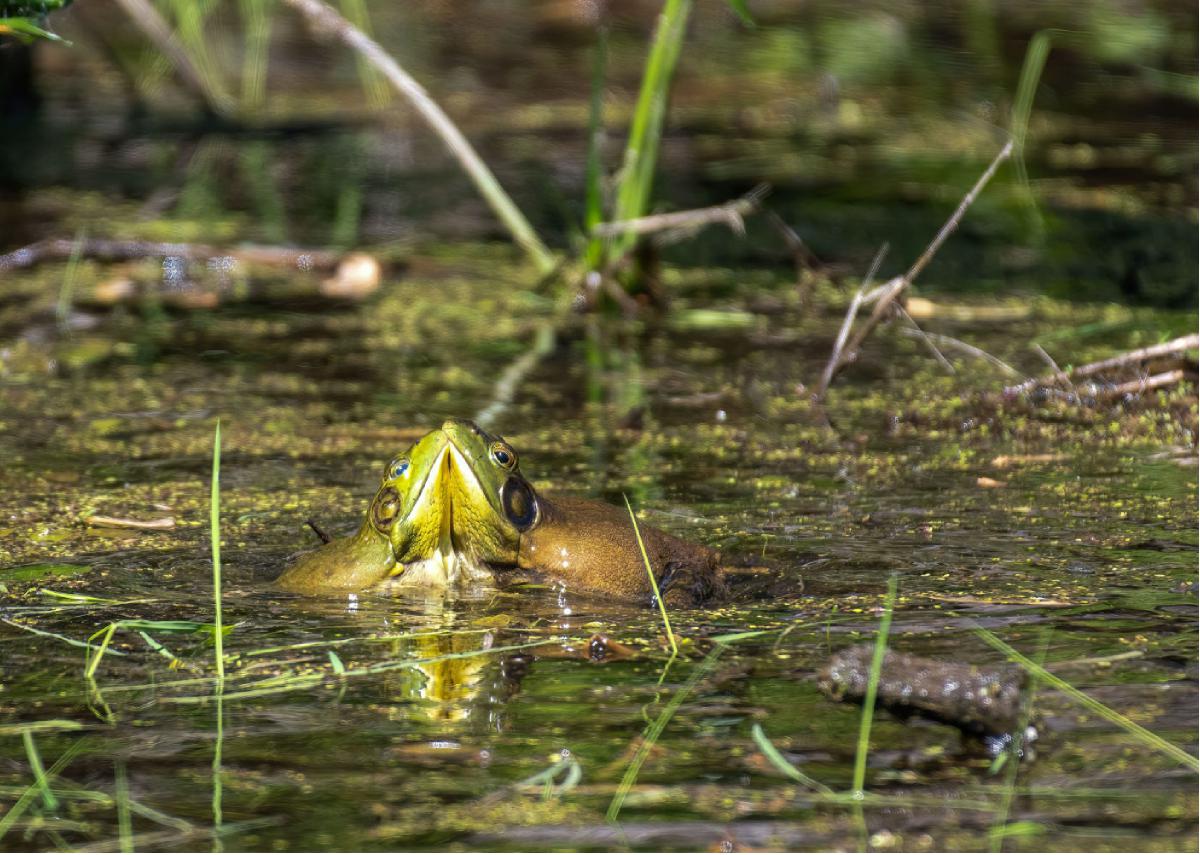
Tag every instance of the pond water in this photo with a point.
(382, 723)
(1067, 530)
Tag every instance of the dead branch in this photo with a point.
(1143, 384)
(732, 214)
(926, 339)
(103, 249)
(1133, 357)
(891, 290)
(951, 343)
(847, 322)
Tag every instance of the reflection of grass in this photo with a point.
(1012, 756)
(40, 784)
(1146, 737)
(654, 731)
(782, 764)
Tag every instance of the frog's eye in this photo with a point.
(520, 504)
(503, 454)
(397, 468)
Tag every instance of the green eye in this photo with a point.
(397, 468)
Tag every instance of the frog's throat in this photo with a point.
(451, 564)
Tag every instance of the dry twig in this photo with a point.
(1133, 357)
(59, 249)
(890, 291)
(731, 214)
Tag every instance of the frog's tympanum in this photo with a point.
(455, 510)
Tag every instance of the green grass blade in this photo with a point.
(257, 27)
(654, 731)
(1031, 74)
(1000, 824)
(1146, 737)
(662, 606)
(21, 805)
(39, 772)
(121, 797)
(45, 633)
(369, 77)
(214, 521)
(218, 810)
(645, 133)
(783, 765)
(90, 671)
(740, 9)
(66, 294)
(868, 707)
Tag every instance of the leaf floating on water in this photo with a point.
(37, 572)
(160, 524)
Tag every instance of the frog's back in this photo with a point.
(592, 546)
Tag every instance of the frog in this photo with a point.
(455, 510)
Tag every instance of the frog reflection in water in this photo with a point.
(455, 511)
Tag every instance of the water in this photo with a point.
(1080, 555)
(379, 723)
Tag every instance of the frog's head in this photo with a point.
(457, 491)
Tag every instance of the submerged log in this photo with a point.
(979, 702)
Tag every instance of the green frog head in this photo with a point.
(457, 493)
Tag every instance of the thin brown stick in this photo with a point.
(1059, 375)
(318, 531)
(892, 290)
(1143, 384)
(730, 213)
(60, 249)
(951, 343)
(927, 339)
(1133, 357)
(851, 313)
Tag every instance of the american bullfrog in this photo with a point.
(455, 510)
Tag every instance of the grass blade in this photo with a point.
(121, 797)
(662, 607)
(1146, 737)
(868, 710)
(645, 133)
(654, 731)
(66, 294)
(326, 20)
(19, 807)
(214, 521)
(783, 765)
(1031, 73)
(39, 773)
